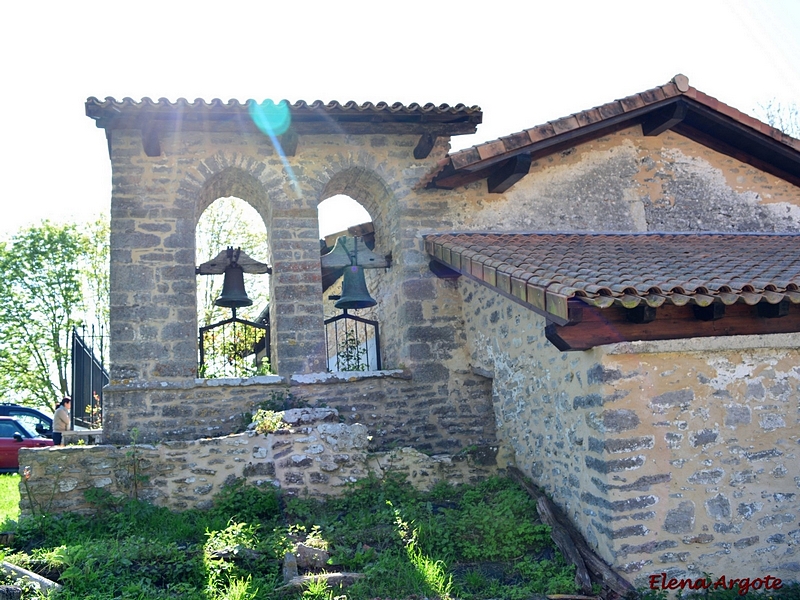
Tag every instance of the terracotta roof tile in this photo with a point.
(448, 120)
(631, 102)
(612, 109)
(491, 149)
(630, 268)
(565, 124)
(540, 132)
(636, 102)
(516, 140)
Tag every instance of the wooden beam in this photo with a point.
(150, 142)
(239, 124)
(610, 325)
(664, 119)
(589, 562)
(442, 271)
(426, 143)
(450, 178)
(773, 311)
(508, 173)
(288, 142)
(641, 314)
(712, 312)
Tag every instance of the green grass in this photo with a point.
(404, 542)
(9, 499)
(465, 543)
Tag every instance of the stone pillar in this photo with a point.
(153, 315)
(296, 312)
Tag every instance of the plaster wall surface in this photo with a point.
(628, 182)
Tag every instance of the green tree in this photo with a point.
(229, 351)
(95, 273)
(42, 273)
(230, 222)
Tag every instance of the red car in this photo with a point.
(13, 436)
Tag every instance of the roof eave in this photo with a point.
(691, 114)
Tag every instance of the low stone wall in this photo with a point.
(313, 454)
(397, 408)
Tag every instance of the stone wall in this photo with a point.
(676, 457)
(629, 182)
(313, 454)
(156, 202)
(395, 406)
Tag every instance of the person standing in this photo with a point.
(61, 421)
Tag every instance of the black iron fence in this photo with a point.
(353, 343)
(234, 348)
(88, 378)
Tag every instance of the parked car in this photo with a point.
(33, 419)
(13, 436)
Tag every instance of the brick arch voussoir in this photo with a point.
(362, 185)
(228, 174)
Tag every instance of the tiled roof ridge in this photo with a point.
(677, 86)
(395, 107)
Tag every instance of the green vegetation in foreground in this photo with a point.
(469, 542)
(9, 498)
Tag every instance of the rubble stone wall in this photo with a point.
(156, 203)
(678, 456)
(396, 407)
(312, 454)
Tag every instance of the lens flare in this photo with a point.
(273, 119)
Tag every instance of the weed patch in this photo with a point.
(467, 542)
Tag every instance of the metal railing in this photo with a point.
(352, 343)
(88, 378)
(234, 348)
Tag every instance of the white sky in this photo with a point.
(524, 62)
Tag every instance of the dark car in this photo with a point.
(13, 436)
(34, 420)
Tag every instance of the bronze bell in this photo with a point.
(354, 290)
(233, 294)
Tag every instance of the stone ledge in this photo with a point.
(347, 376)
(708, 344)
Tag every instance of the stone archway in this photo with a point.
(170, 161)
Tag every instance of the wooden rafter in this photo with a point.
(595, 327)
(666, 118)
(509, 173)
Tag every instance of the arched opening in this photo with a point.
(232, 342)
(351, 334)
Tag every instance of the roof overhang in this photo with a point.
(162, 117)
(675, 107)
(585, 305)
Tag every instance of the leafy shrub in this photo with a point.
(246, 503)
(267, 421)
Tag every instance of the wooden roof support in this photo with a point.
(426, 143)
(150, 141)
(606, 326)
(664, 119)
(443, 271)
(288, 142)
(508, 173)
